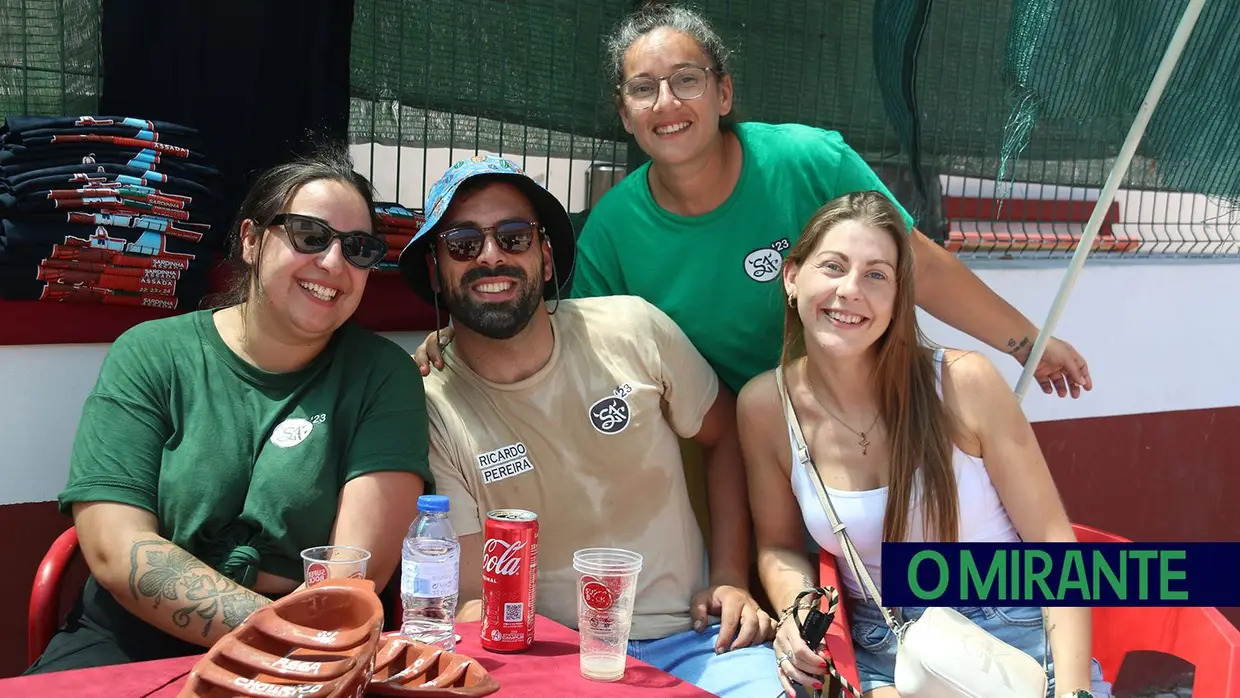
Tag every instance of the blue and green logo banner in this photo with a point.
(1061, 574)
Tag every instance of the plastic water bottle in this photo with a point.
(430, 575)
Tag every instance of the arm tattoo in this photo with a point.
(1014, 346)
(175, 576)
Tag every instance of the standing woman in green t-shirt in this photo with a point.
(219, 444)
(700, 231)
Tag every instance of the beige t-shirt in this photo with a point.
(590, 444)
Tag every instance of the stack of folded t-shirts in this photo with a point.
(397, 225)
(106, 210)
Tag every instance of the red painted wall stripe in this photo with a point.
(1017, 210)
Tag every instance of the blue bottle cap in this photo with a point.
(433, 503)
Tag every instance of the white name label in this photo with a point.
(504, 462)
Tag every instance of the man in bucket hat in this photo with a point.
(574, 409)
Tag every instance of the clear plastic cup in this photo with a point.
(333, 562)
(605, 593)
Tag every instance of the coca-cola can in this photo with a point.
(509, 576)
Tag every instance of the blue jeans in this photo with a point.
(690, 656)
(1021, 627)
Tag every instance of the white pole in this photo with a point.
(1135, 133)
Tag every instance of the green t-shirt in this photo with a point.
(717, 275)
(242, 467)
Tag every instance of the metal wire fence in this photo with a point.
(436, 80)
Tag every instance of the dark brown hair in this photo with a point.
(654, 15)
(919, 427)
(271, 192)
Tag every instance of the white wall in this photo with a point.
(419, 169)
(1158, 337)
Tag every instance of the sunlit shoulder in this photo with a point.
(976, 392)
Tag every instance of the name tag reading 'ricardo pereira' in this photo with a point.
(1061, 574)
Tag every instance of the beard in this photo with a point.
(502, 320)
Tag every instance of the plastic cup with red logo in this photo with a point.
(605, 594)
(333, 562)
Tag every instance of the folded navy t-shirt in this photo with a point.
(16, 175)
(178, 186)
(40, 135)
(72, 139)
(22, 123)
(106, 260)
(85, 151)
(100, 243)
(12, 168)
(22, 280)
(15, 232)
(23, 283)
(119, 200)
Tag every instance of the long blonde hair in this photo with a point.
(919, 427)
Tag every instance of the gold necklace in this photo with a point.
(863, 442)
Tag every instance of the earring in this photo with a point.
(792, 300)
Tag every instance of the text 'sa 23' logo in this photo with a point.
(611, 414)
(764, 263)
(294, 430)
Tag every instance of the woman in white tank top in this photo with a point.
(911, 443)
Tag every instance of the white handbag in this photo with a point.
(942, 654)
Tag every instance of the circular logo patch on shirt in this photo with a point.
(291, 432)
(610, 415)
(763, 264)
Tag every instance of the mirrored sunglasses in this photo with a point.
(464, 244)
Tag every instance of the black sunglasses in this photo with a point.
(310, 235)
(464, 244)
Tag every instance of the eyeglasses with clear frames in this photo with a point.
(687, 83)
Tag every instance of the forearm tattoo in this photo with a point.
(1014, 346)
(162, 572)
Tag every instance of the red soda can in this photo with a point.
(509, 576)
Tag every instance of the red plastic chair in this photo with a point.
(1200, 636)
(44, 616)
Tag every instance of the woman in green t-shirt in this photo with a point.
(219, 444)
(700, 231)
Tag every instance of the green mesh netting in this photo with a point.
(542, 64)
(49, 57)
(1030, 90)
(1079, 71)
(482, 74)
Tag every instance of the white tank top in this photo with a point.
(982, 516)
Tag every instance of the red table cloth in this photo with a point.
(548, 668)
